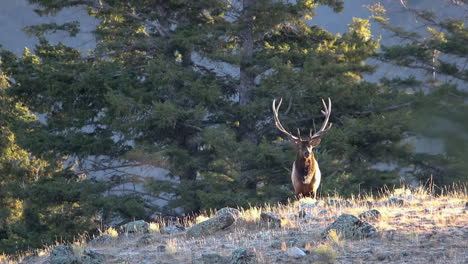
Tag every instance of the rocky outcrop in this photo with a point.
(135, 227)
(213, 258)
(370, 216)
(338, 203)
(295, 252)
(92, 257)
(350, 227)
(270, 219)
(211, 226)
(172, 229)
(243, 256)
(63, 255)
(228, 210)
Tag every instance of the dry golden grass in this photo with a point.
(425, 229)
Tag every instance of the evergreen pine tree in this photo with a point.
(437, 56)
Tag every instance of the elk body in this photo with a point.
(305, 175)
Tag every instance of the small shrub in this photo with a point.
(327, 253)
(334, 238)
(154, 227)
(112, 232)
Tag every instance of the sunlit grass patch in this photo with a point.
(326, 253)
(154, 227)
(201, 218)
(112, 232)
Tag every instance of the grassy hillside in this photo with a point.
(415, 226)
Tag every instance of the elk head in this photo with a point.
(305, 174)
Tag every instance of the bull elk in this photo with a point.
(305, 175)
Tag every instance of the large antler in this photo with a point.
(278, 123)
(324, 127)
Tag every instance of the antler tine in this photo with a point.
(325, 126)
(299, 133)
(278, 123)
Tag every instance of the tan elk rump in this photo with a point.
(305, 175)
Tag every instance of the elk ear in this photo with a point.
(314, 142)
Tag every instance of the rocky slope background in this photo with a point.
(402, 226)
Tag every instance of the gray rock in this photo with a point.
(382, 256)
(172, 230)
(371, 215)
(395, 201)
(243, 256)
(270, 219)
(31, 258)
(228, 210)
(211, 226)
(350, 227)
(367, 204)
(161, 248)
(63, 255)
(101, 240)
(146, 240)
(276, 244)
(308, 204)
(213, 258)
(338, 203)
(323, 212)
(135, 227)
(295, 252)
(92, 257)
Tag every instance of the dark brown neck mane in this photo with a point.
(305, 165)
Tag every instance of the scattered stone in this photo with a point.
(270, 219)
(146, 240)
(338, 203)
(135, 227)
(308, 203)
(101, 240)
(243, 256)
(276, 244)
(323, 212)
(384, 256)
(411, 197)
(350, 227)
(395, 201)
(63, 255)
(92, 257)
(31, 258)
(172, 229)
(367, 204)
(295, 252)
(371, 215)
(211, 225)
(228, 210)
(213, 258)
(161, 248)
